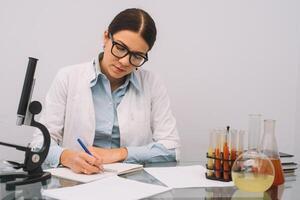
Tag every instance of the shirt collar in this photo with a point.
(134, 81)
(131, 78)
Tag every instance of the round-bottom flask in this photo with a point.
(253, 172)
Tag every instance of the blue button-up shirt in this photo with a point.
(107, 133)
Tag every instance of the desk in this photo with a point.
(290, 190)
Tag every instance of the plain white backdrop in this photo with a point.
(221, 60)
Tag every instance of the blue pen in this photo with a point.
(84, 147)
(88, 152)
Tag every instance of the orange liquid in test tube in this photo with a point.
(218, 162)
(226, 163)
(218, 149)
(226, 168)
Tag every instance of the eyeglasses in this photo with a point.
(120, 51)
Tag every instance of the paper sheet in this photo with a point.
(110, 170)
(185, 177)
(109, 188)
(66, 173)
(122, 168)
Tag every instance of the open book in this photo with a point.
(109, 170)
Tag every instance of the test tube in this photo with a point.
(210, 152)
(218, 153)
(233, 144)
(240, 144)
(225, 155)
(220, 138)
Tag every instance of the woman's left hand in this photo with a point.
(110, 155)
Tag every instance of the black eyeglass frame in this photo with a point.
(128, 52)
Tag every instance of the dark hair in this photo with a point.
(136, 20)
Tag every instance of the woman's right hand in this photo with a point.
(81, 162)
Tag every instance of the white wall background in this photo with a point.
(221, 60)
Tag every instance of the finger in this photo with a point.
(99, 161)
(89, 169)
(90, 163)
(77, 164)
(83, 170)
(86, 168)
(88, 158)
(95, 153)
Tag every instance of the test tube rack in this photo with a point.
(217, 170)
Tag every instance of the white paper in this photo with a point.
(110, 188)
(185, 177)
(109, 170)
(122, 168)
(66, 173)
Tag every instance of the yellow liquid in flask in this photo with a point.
(252, 182)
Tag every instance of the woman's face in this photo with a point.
(116, 68)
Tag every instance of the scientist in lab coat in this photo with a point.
(119, 110)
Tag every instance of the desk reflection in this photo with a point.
(287, 191)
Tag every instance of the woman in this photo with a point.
(120, 111)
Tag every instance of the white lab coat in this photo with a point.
(144, 117)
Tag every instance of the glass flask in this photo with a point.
(253, 171)
(268, 146)
(254, 129)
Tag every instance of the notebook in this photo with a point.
(109, 170)
(122, 168)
